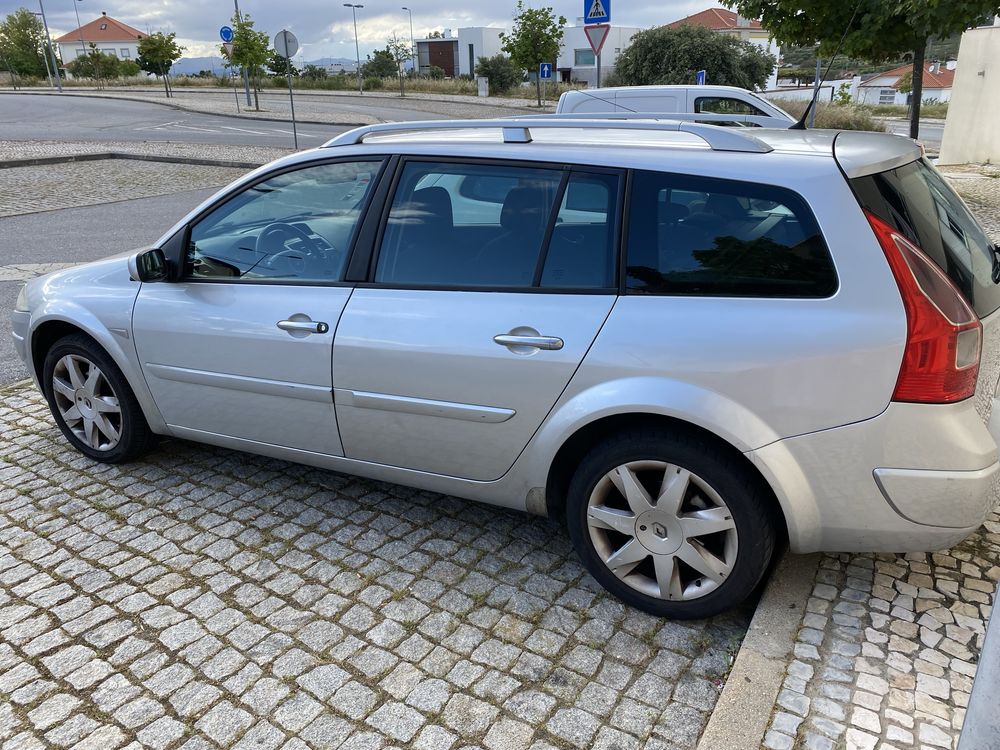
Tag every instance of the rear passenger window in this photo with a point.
(701, 236)
(499, 226)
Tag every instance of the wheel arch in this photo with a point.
(573, 449)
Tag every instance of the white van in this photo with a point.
(745, 106)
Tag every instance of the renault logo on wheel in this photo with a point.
(660, 530)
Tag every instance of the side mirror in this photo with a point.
(148, 265)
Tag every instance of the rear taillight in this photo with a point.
(943, 333)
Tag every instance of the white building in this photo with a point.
(577, 62)
(970, 132)
(475, 42)
(883, 88)
(107, 34)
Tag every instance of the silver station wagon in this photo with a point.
(691, 343)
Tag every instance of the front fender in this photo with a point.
(680, 400)
(98, 300)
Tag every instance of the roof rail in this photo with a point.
(519, 130)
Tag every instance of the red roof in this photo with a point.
(113, 31)
(716, 19)
(943, 79)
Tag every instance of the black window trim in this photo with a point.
(566, 169)
(179, 249)
(624, 290)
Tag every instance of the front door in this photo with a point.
(490, 283)
(241, 346)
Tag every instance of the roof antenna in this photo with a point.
(801, 124)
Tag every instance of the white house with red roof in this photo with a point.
(109, 35)
(883, 88)
(724, 21)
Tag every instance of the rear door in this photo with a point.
(474, 320)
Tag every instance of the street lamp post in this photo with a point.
(83, 47)
(413, 49)
(357, 50)
(52, 52)
(246, 78)
(45, 58)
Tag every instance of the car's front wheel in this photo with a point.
(670, 523)
(92, 402)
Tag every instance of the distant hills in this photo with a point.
(194, 65)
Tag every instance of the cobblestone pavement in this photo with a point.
(52, 186)
(204, 598)
(888, 645)
(34, 149)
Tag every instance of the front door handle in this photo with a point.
(303, 326)
(550, 343)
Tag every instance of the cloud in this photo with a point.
(325, 28)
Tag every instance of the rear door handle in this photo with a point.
(303, 326)
(550, 343)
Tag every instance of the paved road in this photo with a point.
(70, 236)
(25, 117)
(930, 132)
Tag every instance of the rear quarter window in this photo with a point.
(917, 201)
(709, 237)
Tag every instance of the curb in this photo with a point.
(103, 155)
(743, 711)
(981, 728)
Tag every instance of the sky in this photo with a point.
(324, 27)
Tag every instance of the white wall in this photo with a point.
(574, 38)
(485, 41)
(69, 51)
(970, 132)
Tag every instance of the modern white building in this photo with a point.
(107, 34)
(475, 42)
(577, 62)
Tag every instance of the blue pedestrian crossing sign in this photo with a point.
(226, 33)
(545, 71)
(699, 78)
(596, 11)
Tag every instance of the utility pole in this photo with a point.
(357, 49)
(413, 49)
(52, 52)
(246, 78)
(83, 47)
(45, 59)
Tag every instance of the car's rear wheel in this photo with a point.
(92, 402)
(671, 523)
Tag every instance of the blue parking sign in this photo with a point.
(545, 71)
(596, 11)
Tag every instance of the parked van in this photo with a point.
(714, 100)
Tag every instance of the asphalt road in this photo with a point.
(61, 237)
(930, 132)
(77, 118)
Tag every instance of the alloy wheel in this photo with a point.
(662, 530)
(86, 402)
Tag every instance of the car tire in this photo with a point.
(92, 402)
(671, 523)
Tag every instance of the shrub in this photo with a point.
(373, 83)
(502, 73)
(834, 116)
(313, 73)
(435, 73)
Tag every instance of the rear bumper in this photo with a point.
(916, 478)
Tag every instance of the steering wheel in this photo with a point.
(283, 232)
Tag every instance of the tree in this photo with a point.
(536, 37)
(380, 64)
(251, 51)
(401, 51)
(871, 29)
(22, 43)
(665, 55)
(501, 71)
(95, 64)
(905, 83)
(281, 66)
(313, 72)
(157, 54)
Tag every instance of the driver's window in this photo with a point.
(296, 226)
